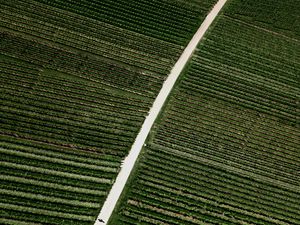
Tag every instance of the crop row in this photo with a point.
(225, 149)
(30, 215)
(74, 82)
(57, 163)
(179, 126)
(92, 107)
(147, 20)
(82, 42)
(250, 103)
(282, 72)
(91, 113)
(224, 69)
(200, 192)
(62, 152)
(218, 176)
(260, 84)
(28, 12)
(164, 207)
(93, 28)
(236, 122)
(184, 153)
(50, 85)
(76, 87)
(279, 46)
(237, 144)
(239, 139)
(51, 187)
(71, 116)
(61, 135)
(258, 67)
(240, 117)
(239, 120)
(114, 130)
(35, 128)
(94, 70)
(263, 77)
(209, 190)
(239, 93)
(233, 157)
(277, 16)
(255, 99)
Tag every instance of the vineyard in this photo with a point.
(225, 149)
(77, 81)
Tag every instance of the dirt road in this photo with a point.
(136, 148)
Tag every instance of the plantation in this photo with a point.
(225, 149)
(77, 81)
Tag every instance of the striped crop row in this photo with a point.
(226, 147)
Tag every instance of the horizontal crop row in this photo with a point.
(51, 186)
(237, 123)
(49, 85)
(225, 148)
(57, 110)
(77, 80)
(154, 20)
(217, 176)
(62, 152)
(94, 28)
(280, 17)
(231, 66)
(95, 70)
(240, 145)
(84, 43)
(203, 195)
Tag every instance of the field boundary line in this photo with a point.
(129, 161)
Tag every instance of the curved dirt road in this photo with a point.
(129, 162)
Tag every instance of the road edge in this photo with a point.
(129, 162)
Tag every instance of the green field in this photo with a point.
(77, 80)
(225, 149)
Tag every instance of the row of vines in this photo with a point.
(77, 79)
(226, 148)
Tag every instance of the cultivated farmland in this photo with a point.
(77, 80)
(225, 149)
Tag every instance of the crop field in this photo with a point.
(77, 81)
(225, 149)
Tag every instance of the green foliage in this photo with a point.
(276, 15)
(226, 148)
(77, 80)
(167, 20)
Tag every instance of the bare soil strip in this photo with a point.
(137, 146)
